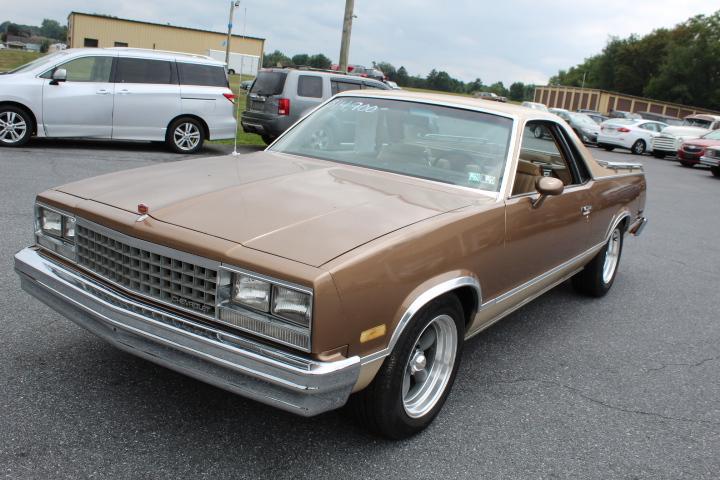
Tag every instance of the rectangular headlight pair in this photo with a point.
(286, 303)
(56, 224)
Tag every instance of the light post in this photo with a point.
(347, 30)
(233, 4)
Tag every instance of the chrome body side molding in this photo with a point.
(417, 304)
(620, 165)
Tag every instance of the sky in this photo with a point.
(510, 40)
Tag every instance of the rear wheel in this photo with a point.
(15, 127)
(415, 379)
(185, 135)
(715, 171)
(267, 139)
(638, 148)
(598, 276)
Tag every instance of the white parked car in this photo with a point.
(119, 94)
(693, 126)
(633, 134)
(535, 106)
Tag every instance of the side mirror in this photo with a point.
(547, 186)
(59, 75)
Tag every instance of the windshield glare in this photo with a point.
(449, 145)
(714, 135)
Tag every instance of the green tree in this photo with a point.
(474, 86)
(52, 29)
(402, 77)
(517, 91)
(319, 61)
(276, 58)
(301, 59)
(388, 69)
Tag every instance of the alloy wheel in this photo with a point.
(612, 256)
(429, 367)
(12, 127)
(186, 136)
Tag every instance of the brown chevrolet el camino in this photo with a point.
(347, 262)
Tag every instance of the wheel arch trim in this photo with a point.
(419, 302)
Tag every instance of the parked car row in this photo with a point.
(490, 96)
(711, 158)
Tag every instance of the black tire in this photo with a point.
(231, 72)
(538, 132)
(609, 148)
(17, 127)
(639, 147)
(380, 406)
(592, 280)
(715, 171)
(178, 142)
(659, 155)
(267, 139)
(687, 164)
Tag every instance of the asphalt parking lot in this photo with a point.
(627, 386)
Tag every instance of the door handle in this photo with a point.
(124, 91)
(585, 210)
(103, 91)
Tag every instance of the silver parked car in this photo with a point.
(119, 94)
(281, 96)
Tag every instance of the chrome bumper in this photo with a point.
(255, 370)
(637, 227)
(710, 162)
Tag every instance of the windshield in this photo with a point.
(449, 145)
(697, 122)
(714, 135)
(582, 119)
(269, 83)
(38, 61)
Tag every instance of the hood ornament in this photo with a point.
(143, 210)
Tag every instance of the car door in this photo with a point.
(147, 98)
(81, 106)
(539, 239)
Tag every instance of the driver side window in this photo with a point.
(543, 153)
(86, 69)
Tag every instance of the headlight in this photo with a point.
(292, 305)
(55, 230)
(270, 308)
(51, 222)
(251, 292)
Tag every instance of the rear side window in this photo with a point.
(269, 83)
(205, 75)
(140, 70)
(309, 86)
(338, 86)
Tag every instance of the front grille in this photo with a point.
(167, 278)
(665, 143)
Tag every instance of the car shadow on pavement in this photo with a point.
(209, 149)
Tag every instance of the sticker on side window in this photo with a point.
(475, 177)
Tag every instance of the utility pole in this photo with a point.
(233, 4)
(583, 84)
(346, 31)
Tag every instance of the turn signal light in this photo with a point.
(284, 106)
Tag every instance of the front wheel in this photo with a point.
(415, 379)
(598, 276)
(638, 148)
(715, 171)
(15, 127)
(185, 135)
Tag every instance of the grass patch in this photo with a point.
(10, 59)
(241, 100)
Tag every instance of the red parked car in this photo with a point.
(691, 150)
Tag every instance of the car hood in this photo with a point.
(310, 211)
(685, 132)
(702, 142)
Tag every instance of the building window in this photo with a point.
(121, 44)
(91, 42)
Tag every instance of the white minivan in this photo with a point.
(120, 94)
